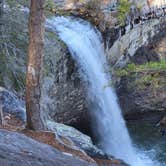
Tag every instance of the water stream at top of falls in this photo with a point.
(85, 45)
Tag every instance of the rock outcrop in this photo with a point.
(120, 53)
(139, 101)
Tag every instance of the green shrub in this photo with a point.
(123, 10)
(151, 74)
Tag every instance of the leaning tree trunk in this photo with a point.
(35, 65)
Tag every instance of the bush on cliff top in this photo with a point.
(123, 10)
(151, 74)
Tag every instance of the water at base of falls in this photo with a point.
(84, 43)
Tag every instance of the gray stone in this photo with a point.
(12, 104)
(80, 140)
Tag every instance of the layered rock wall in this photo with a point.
(125, 47)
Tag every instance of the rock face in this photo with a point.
(19, 150)
(64, 94)
(142, 44)
(70, 94)
(120, 53)
(147, 102)
(11, 104)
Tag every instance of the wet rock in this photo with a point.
(12, 104)
(19, 150)
(63, 92)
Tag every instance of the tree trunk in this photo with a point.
(35, 65)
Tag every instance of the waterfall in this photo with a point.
(85, 45)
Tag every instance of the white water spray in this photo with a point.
(85, 45)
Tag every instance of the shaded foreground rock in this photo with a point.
(19, 150)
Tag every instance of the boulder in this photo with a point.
(12, 104)
(79, 140)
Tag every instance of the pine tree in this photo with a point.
(35, 65)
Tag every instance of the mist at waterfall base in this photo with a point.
(85, 45)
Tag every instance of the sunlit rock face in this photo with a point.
(72, 4)
(120, 52)
(156, 3)
(147, 4)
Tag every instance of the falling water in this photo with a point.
(85, 45)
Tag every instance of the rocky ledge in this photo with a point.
(19, 150)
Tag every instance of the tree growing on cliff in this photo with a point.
(35, 65)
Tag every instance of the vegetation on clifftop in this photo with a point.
(151, 74)
(123, 10)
